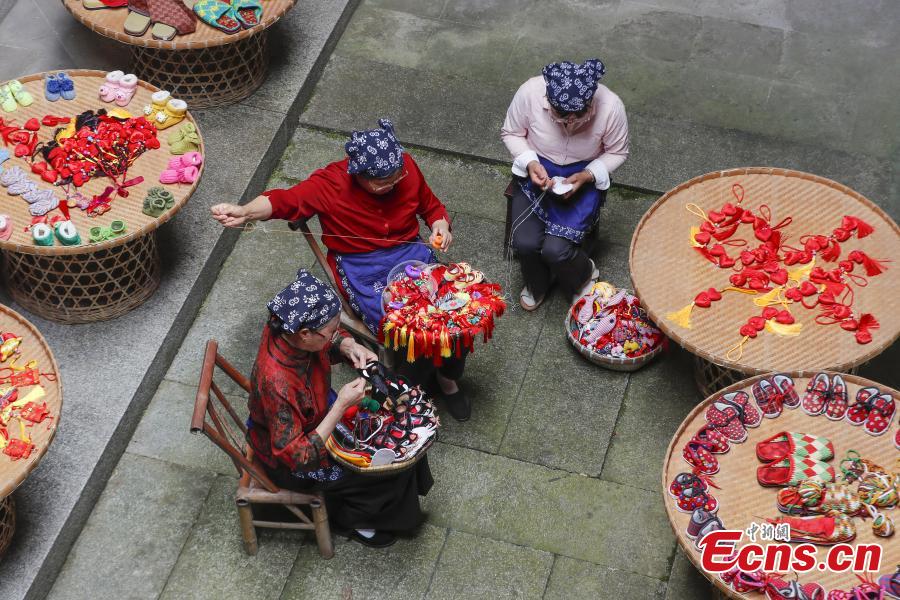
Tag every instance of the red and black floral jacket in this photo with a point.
(288, 399)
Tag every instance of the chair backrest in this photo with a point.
(222, 421)
(348, 319)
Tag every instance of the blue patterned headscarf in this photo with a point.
(569, 86)
(376, 152)
(308, 303)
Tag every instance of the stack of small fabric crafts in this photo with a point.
(611, 322)
(438, 310)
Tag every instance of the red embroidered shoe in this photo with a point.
(858, 413)
(813, 402)
(769, 400)
(726, 419)
(836, 402)
(799, 445)
(785, 385)
(692, 498)
(696, 455)
(750, 416)
(700, 519)
(881, 415)
(712, 439)
(779, 589)
(793, 471)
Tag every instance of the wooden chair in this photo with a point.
(350, 321)
(590, 240)
(254, 486)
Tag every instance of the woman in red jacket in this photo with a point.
(369, 206)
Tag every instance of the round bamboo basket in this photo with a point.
(742, 500)
(14, 472)
(667, 272)
(206, 68)
(607, 362)
(382, 469)
(7, 523)
(89, 282)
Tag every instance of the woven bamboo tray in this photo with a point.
(608, 362)
(33, 347)
(109, 22)
(149, 165)
(382, 469)
(667, 272)
(742, 500)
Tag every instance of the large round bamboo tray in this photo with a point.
(742, 500)
(667, 272)
(89, 282)
(14, 472)
(206, 68)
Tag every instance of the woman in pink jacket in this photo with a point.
(566, 133)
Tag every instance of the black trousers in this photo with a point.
(543, 257)
(356, 501)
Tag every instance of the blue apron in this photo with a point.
(364, 276)
(570, 219)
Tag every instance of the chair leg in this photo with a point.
(323, 531)
(248, 531)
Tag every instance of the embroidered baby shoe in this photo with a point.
(836, 402)
(712, 439)
(858, 412)
(881, 414)
(779, 589)
(813, 402)
(700, 458)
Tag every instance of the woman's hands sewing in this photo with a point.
(358, 355)
(538, 175)
(577, 180)
(440, 231)
(350, 395)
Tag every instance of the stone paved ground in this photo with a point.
(552, 489)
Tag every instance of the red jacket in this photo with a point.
(346, 209)
(288, 400)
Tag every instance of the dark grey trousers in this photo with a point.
(543, 256)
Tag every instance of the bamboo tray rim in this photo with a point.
(26, 466)
(88, 18)
(674, 334)
(131, 234)
(687, 545)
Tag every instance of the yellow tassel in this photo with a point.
(782, 329)
(769, 298)
(24, 434)
(445, 344)
(396, 339)
(682, 317)
(411, 349)
(741, 290)
(694, 232)
(403, 335)
(803, 272)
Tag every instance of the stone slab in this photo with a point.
(657, 399)
(578, 580)
(567, 408)
(551, 510)
(163, 432)
(686, 582)
(401, 571)
(475, 567)
(135, 533)
(213, 563)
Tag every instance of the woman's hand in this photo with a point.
(358, 355)
(350, 395)
(538, 175)
(229, 215)
(577, 180)
(441, 228)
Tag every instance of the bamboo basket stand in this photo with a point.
(742, 500)
(667, 273)
(89, 282)
(14, 472)
(207, 68)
